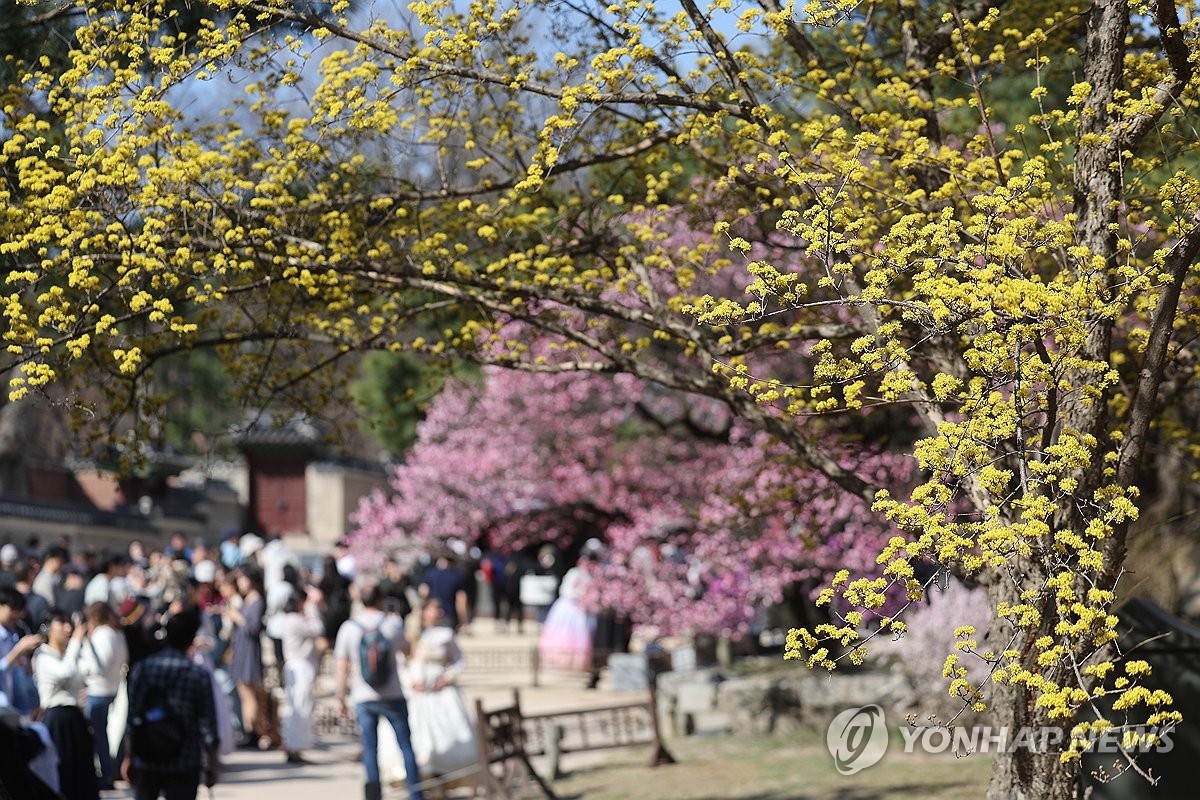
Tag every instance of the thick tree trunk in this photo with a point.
(1022, 771)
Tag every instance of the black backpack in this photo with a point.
(156, 730)
(375, 659)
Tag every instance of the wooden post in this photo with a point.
(660, 755)
(511, 749)
(554, 733)
(493, 787)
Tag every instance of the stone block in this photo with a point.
(683, 659)
(629, 672)
(817, 697)
(710, 722)
(693, 697)
(668, 686)
(693, 700)
(749, 704)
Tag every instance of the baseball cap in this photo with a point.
(9, 554)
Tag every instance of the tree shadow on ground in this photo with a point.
(243, 772)
(880, 793)
(850, 793)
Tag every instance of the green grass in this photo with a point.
(795, 766)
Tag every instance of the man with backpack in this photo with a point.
(368, 653)
(171, 737)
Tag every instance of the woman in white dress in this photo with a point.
(443, 731)
(299, 628)
(566, 639)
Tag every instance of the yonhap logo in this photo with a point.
(857, 738)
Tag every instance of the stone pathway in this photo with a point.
(336, 775)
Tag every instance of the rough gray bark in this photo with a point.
(1023, 774)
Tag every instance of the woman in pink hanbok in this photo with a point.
(566, 638)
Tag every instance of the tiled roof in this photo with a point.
(263, 430)
(72, 514)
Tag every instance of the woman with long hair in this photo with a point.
(56, 670)
(246, 667)
(335, 588)
(102, 662)
(443, 731)
(566, 638)
(300, 628)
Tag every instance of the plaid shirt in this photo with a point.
(187, 689)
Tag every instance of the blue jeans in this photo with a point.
(97, 714)
(395, 711)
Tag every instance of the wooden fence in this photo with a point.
(484, 661)
(507, 739)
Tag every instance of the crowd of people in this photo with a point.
(103, 656)
(167, 638)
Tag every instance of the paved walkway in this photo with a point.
(336, 775)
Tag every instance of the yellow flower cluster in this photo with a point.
(940, 220)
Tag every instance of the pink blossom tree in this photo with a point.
(706, 520)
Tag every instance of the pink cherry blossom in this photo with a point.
(705, 523)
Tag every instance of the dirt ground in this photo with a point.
(793, 766)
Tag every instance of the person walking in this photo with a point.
(375, 690)
(102, 663)
(394, 588)
(300, 628)
(516, 567)
(172, 729)
(446, 584)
